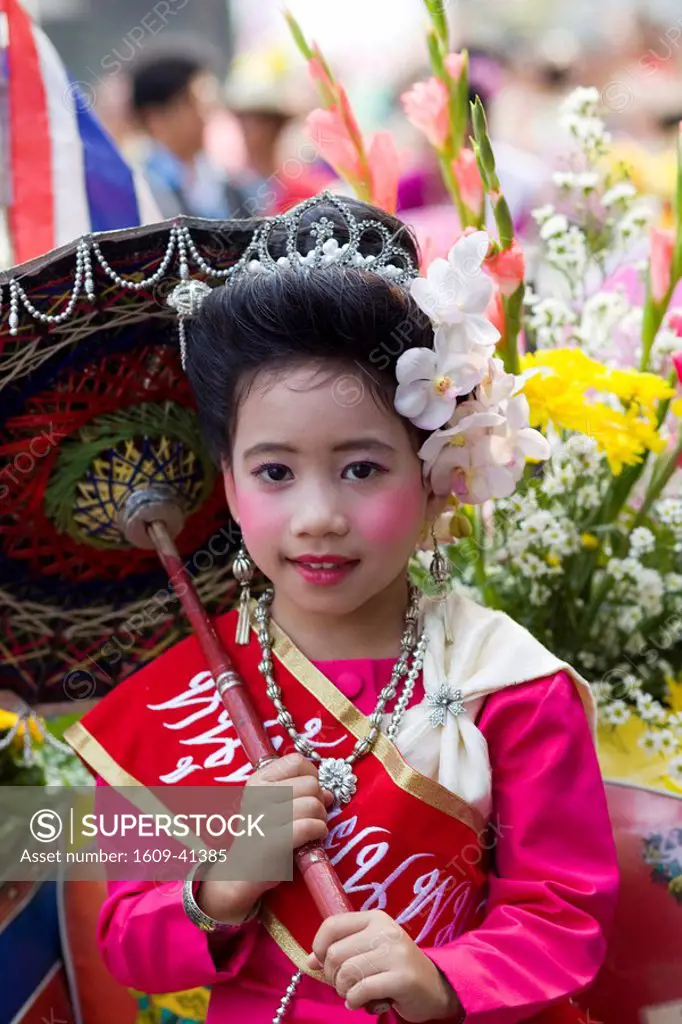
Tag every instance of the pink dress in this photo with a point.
(550, 903)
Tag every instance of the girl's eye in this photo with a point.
(273, 473)
(362, 471)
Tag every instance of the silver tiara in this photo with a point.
(392, 261)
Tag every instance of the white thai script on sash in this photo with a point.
(436, 895)
(440, 904)
(203, 702)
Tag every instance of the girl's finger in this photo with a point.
(371, 988)
(308, 807)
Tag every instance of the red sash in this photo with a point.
(404, 844)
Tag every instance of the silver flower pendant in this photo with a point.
(338, 777)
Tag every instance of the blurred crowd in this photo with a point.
(216, 148)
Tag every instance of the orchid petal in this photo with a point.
(481, 331)
(533, 444)
(411, 398)
(469, 251)
(416, 364)
(437, 412)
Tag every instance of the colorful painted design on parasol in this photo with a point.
(116, 456)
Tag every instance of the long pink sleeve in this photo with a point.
(555, 879)
(148, 943)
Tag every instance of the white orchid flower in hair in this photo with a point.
(483, 454)
(457, 291)
(431, 380)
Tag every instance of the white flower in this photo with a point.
(431, 380)
(456, 291)
(539, 595)
(467, 465)
(548, 318)
(586, 181)
(616, 713)
(628, 618)
(619, 194)
(557, 224)
(669, 511)
(589, 497)
(642, 541)
(568, 251)
(482, 456)
(649, 709)
(634, 223)
(543, 213)
(665, 344)
(667, 741)
(587, 130)
(675, 770)
(649, 741)
(581, 101)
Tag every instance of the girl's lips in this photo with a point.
(324, 573)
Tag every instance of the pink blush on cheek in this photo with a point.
(255, 516)
(392, 516)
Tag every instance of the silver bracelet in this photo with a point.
(197, 915)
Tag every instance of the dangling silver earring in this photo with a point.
(440, 577)
(243, 569)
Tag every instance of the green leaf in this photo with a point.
(436, 11)
(505, 225)
(297, 33)
(436, 54)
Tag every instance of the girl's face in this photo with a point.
(327, 488)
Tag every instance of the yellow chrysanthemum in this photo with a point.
(8, 720)
(566, 393)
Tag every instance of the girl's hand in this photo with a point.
(367, 956)
(231, 901)
(311, 802)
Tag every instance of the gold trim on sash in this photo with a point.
(404, 775)
(92, 751)
(280, 934)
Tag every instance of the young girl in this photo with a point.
(470, 831)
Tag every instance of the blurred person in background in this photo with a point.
(174, 93)
(269, 99)
(538, 76)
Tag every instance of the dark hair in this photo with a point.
(157, 80)
(336, 316)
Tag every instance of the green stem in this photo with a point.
(479, 540)
(453, 188)
(659, 481)
(513, 307)
(651, 321)
(664, 405)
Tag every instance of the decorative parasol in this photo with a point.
(94, 406)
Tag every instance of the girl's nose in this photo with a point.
(315, 518)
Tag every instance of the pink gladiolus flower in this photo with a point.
(468, 178)
(677, 363)
(454, 62)
(507, 268)
(385, 168)
(322, 80)
(495, 311)
(675, 323)
(426, 107)
(327, 129)
(661, 255)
